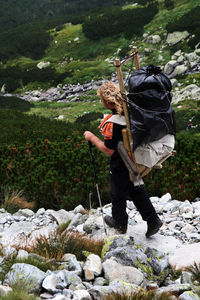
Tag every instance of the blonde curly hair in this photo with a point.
(110, 93)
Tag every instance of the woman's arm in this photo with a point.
(89, 136)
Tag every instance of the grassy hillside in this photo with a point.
(74, 57)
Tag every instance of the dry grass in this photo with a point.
(14, 200)
(142, 295)
(59, 243)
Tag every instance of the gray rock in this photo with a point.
(78, 209)
(188, 296)
(46, 296)
(30, 275)
(170, 66)
(72, 263)
(100, 281)
(22, 254)
(99, 292)
(9, 251)
(185, 256)
(4, 290)
(43, 64)
(176, 37)
(77, 220)
(82, 295)
(191, 91)
(90, 224)
(114, 270)
(25, 212)
(175, 288)
(50, 283)
(68, 293)
(60, 216)
(17, 234)
(126, 256)
(92, 267)
(153, 39)
(179, 70)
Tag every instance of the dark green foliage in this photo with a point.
(53, 174)
(189, 22)
(116, 21)
(88, 117)
(28, 40)
(169, 4)
(48, 160)
(14, 103)
(188, 120)
(18, 128)
(16, 77)
(15, 13)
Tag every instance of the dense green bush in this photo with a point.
(19, 12)
(18, 128)
(53, 174)
(88, 117)
(17, 77)
(116, 21)
(14, 103)
(50, 162)
(60, 174)
(188, 120)
(169, 4)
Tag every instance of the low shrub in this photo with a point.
(115, 21)
(188, 120)
(88, 117)
(52, 174)
(17, 128)
(15, 103)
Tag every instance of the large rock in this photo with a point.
(92, 267)
(176, 37)
(185, 256)
(23, 233)
(29, 276)
(179, 70)
(17, 234)
(153, 39)
(191, 91)
(114, 270)
(43, 64)
(60, 216)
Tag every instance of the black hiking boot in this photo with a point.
(111, 223)
(153, 226)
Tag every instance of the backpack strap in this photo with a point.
(121, 120)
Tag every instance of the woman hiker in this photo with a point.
(120, 184)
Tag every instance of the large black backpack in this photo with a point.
(150, 112)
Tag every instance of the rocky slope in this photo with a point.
(180, 64)
(128, 262)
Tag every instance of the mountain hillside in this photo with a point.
(46, 43)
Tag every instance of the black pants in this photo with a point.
(121, 187)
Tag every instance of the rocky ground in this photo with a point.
(128, 262)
